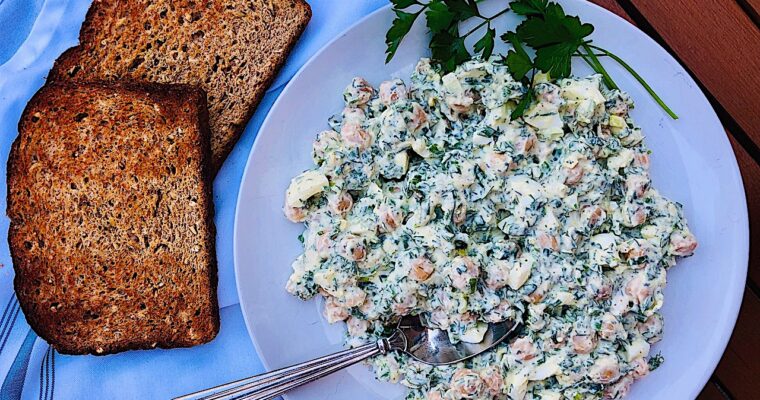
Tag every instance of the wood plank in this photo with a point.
(720, 44)
(615, 7)
(711, 392)
(751, 175)
(740, 360)
(752, 7)
(739, 368)
(755, 4)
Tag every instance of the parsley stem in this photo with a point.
(597, 66)
(640, 80)
(486, 20)
(586, 59)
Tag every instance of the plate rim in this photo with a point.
(743, 214)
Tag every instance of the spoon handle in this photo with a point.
(272, 384)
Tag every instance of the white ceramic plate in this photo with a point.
(692, 163)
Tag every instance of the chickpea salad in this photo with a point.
(427, 199)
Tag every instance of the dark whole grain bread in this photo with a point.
(230, 48)
(112, 233)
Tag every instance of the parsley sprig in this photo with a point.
(554, 37)
(443, 18)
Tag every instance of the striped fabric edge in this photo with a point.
(47, 375)
(8, 321)
(13, 384)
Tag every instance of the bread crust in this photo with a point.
(72, 232)
(235, 69)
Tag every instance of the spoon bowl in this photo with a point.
(433, 346)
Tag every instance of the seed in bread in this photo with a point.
(112, 233)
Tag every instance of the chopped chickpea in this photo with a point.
(333, 311)
(606, 369)
(353, 248)
(523, 348)
(422, 268)
(341, 203)
(418, 119)
(492, 379)
(682, 244)
(295, 214)
(392, 91)
(359, 92)
(583, 344)
(354, 136)
(462, 271)
(466, 383)
(574, 174)
(547, 242)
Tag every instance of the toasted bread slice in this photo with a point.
(230, 48)
(112, 233)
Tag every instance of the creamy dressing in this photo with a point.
(429, 200)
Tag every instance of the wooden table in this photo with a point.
(718, 42)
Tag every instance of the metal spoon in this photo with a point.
(430, 346)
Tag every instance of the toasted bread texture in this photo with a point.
(230, 48)
(112, 233)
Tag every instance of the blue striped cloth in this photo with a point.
(34, 33)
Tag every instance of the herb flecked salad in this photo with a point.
(434, 198)
(429, 200)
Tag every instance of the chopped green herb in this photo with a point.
(655, 361)
(472, 285)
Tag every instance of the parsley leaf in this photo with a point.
(464, 9)
(556, 38)
(555, 59)
(518, 61)
(528, 7)
(401, 25)
(448, 48)
(523, 104)
(439, 17)
(485, 44)
(556, 28)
